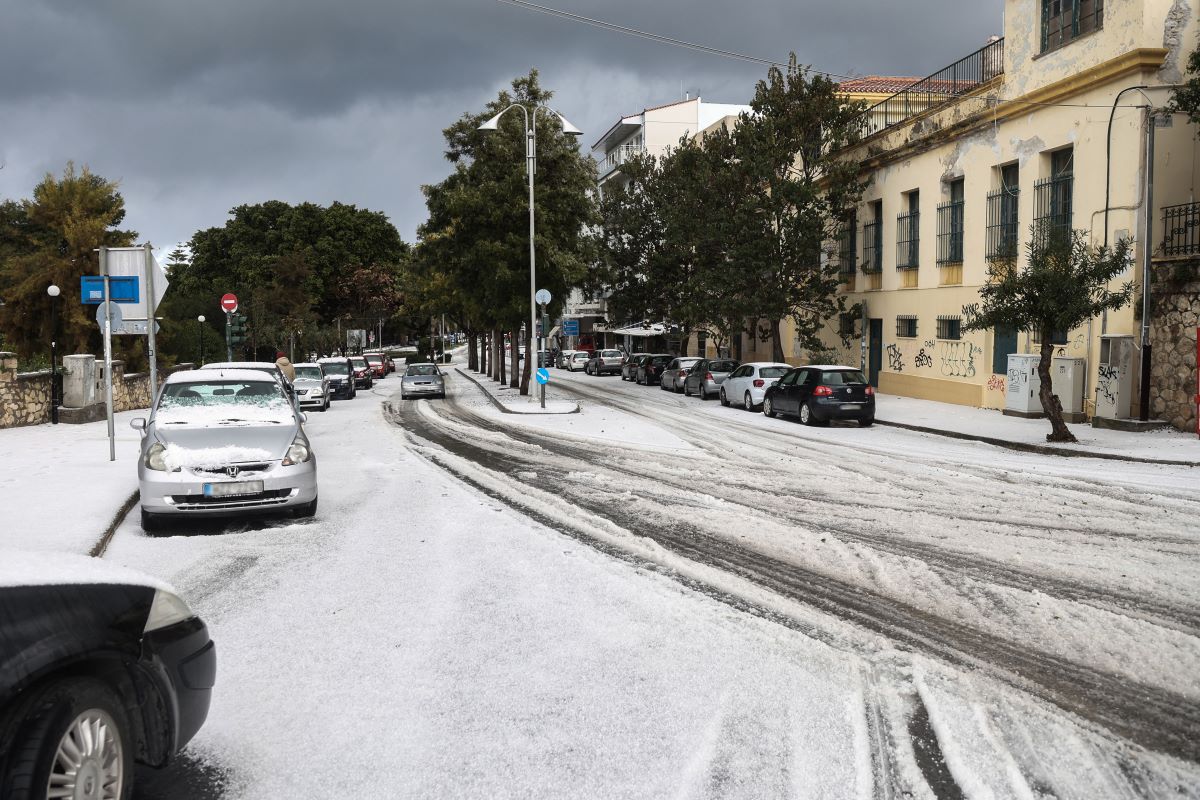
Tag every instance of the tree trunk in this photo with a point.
(472, 357)
(1050, 402)
(736, 341)
(514, 373)
(499, 357)
(684, 342)
(483, 353)
(527, 373)
(776, 341)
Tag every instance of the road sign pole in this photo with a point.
(229, 336)
(150, 348)
(108, 362)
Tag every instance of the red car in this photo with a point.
(377, 363)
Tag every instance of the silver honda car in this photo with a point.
(422, 380)
(224, 442)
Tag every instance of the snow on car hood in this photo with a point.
(177, 456)
(21, 568)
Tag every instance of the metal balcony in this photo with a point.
(618, 156)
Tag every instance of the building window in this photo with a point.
(848, 247)
(908, 242)
(1002, 220)
(949, 328)
(872, 252)
(1066, 20)
(950, 226)
(1053, 198)
(846, 324)
(906, 327)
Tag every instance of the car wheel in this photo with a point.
(768, 407)
(686, 391)
(866, 422)
(662, 385)
(403, 396)
(150, 522)
(307, 510)
(77, 739)
(677, 389)
(748, 402)
(806, 414)
(724, 399)
(703, 392)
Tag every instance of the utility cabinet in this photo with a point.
(1114, 376)
(1021, 395)
(1068, 375)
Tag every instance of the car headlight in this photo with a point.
(298, 453)
(155, 457)
(166, 610)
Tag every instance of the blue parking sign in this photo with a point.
(543, 376)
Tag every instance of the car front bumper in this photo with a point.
(340, 390)
(423, 388)
(182, 493)
(184, 659)
(312, 400)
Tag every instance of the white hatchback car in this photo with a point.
(747, 384)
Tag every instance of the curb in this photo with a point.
(502, 407)
(99, 547)
(1035, 448)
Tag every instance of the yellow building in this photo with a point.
(962, 163)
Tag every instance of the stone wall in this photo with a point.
(25, 396)
(1176, 313)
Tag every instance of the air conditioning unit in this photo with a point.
(1021, 397)
(1067, 375)
(1114, 376)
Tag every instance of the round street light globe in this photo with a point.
(52, 290)
(200, 318)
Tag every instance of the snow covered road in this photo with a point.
(658, 597)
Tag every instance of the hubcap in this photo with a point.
(767, 407)
(88, 764)
(749, 405)
(805, 414)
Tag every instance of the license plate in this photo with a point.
(233, 488)
(851, 406)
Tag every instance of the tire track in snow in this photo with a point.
(1150, 716)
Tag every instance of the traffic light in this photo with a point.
(237, 329)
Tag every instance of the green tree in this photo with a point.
(1187, 97)
(1064, 283)
(50, 238)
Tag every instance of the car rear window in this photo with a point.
(772, 372)
(842, 377)
(611, 353)
(722, 366)
(660, 359)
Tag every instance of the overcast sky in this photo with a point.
(197, 106)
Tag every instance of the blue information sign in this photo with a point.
(543, 376)
(570, 327)
(121, 289)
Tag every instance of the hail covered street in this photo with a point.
(659, 596)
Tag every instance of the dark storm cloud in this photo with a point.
(199, 106)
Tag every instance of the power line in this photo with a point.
(654, 37)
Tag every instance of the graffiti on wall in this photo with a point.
(923, 359)
(996, 382)
(970, 311)
(895, 358)
(1105, 381)
(958, 359)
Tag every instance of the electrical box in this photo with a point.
(1114, 376)
(1021, 397)
(1068, 375)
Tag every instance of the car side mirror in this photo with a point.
(138, 424)
(303, 417)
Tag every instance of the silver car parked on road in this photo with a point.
(422, 380)
(675, 373)
(705, 377)
(223, 442)
(312, 386)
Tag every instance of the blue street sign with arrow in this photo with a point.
(543, 376)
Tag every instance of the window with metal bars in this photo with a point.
(848, 247)
(872, 251)
(906, 326)
(949, 328)
(908, 234)
(1053, 200)
(846, 324)
(1002, 219)
(950, 226)
(1063, 21)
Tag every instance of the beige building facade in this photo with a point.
(1022, 136)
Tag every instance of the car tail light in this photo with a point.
(682, 372)
(822, 391)
(759, 383)
(708, 376)
(870, 391)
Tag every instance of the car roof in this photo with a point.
(228, 373)
(331, 359)
(241, 365)
(21, 568)
(307, 364)
(422, 364)
(764, 364)
(832, 366)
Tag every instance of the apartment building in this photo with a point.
(1042, 126)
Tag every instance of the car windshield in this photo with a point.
(222, 401)
(422, 369)
(313, 373)
(336, 368)
(722, 366)
(772, 372)
(842, 377)
(374, 359)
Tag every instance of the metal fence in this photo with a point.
(950, 233)
(1181, 230)
(908, 240)
(1002, 224)
(961, 77)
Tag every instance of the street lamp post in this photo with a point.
(200, 331)
(530, 168)
(53, 291)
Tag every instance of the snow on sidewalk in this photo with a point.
(58, 489)
(1163, 445)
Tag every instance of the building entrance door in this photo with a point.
(875, 356)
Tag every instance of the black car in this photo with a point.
(817, 394)
(650, 370)
(99, 667)
(340, 372)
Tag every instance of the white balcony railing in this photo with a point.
(618, 156)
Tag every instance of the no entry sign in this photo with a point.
(229, 303)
